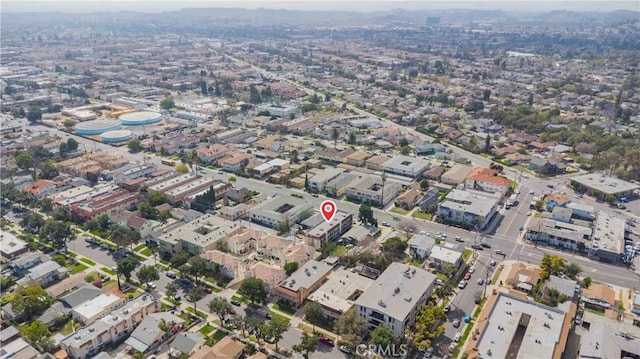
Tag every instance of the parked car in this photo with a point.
(170, 274)
(235, 302)
(106, 279)
(89, 240)
(98, 283)
(457, 337)
(459, 239)
(485, 244)
(462, 284)
(492, 263)
(472, 270)
(477, 246)
(447, 308)
(456, 323)
(207, 290)
(386, 224)
(480, 281)
(500, 252)
(326, 341)
(467, 276)
(232, 311)
(151, 285)
(345, 349)
(439, 281)
(428, 353)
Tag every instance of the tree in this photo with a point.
(182, 168)
(294, 156)
(147, 211)
(352, 138)
(124, 236)
(366, 215)
(57, 232)
(195, 294)
(290, 267)
(403, 142)
(220, 306)
(444, 290)
(198, 266)
(572, 270)
(46, 205)
(203, 88)
(147, 273)
(126, 266)
(36, 333)
(394, 246)
(274, 329)
(307, 345)
(487, 144)
(34, 114)
(283, 227)
(48, 171)
(24, 160)
(167, 104)
(171, 290)
(72, 144)
(69, 124)
(29, 300)
(253, 289)
(134, 145)
(351, 327)
(486, 95)
(586, 282)
(334, 136)
(232, 179)
(205, 201)
(426, 328)
(313, 313)
(383, 336)
(254, 95)
(253, 324)
(239, 321)
(179, 259)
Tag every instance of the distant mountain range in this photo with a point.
(258, 17)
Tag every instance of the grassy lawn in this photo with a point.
(240, 299)
(594, 311)
(146, 252)
(165, 262)
(206, 330)
(87, 261)
(284, 309)
(108, 271)
(422, 215)
(398, 210)
(76, 268)
(139, 247)
(198, 313)
(67, 328)
(276, 315)
(538, 215)
(172, 301)
(216, 289)
(466, 253)
(494, 280)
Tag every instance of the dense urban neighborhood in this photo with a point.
(165, 177)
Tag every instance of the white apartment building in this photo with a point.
(279, 209)
(468, 208)
(370, 190)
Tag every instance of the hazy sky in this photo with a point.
(373, 5)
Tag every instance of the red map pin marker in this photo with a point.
(328, 210)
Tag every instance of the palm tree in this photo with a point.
(334, 136)
(383, 177)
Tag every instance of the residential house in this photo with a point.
(236, 196)
(561, 214)
(41, 188)
(27, 261)
(149, 334)
(429, 202)
(299, 252)
(357, 158)
(456, 175)
(444, 259)
(338, 186)
(427, 149)
(598, 296)
(226, 348)
(546, 166)
(523, 277)
(420, 246)
(280, 210)
(309, 277)
(556, 200)
(44, 274)
(235, 164)
(434, 173)
(408, 200)
(186, 344)
(375, 163)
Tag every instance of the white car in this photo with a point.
(457, 337)
(462, 284)
(151, 285)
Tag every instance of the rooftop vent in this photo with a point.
(408, 299)
(382, 304)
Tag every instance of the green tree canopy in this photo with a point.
(30, 300)
(127, 265)
(134, 145)
(290, 267)
(167, 104)
(253, 289)
(220, 306)
(351, 327)
(427, 325)
(148, 273)
(275, 328)
(366, 215)
(307, 345)
(383, 336)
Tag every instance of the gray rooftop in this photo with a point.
(468, 202)
(338, 292)
(607, 341)
(608, 233)
(187, 342)
(413, 165)
(326, 174)
(306, 275)
(564, 286)
(605, 184)
(10, 244)
(84, 293)
(397, 290)
(541, 335)
(42, 270)
(147, 332)
(422, 241)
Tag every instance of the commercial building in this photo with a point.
(279, 110)
(468, 208)
(510, 326)
(309, 277)
(131, 171)
(372, 191)
(140, 118)
(91, 339)
(395, 297)
(108, 203)
(280, 209)
(340, 292)
(406, 166)
(600, 185)
(171, 183)
(607, 243)
(330, 231)
(178, 194)
(10, 246)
